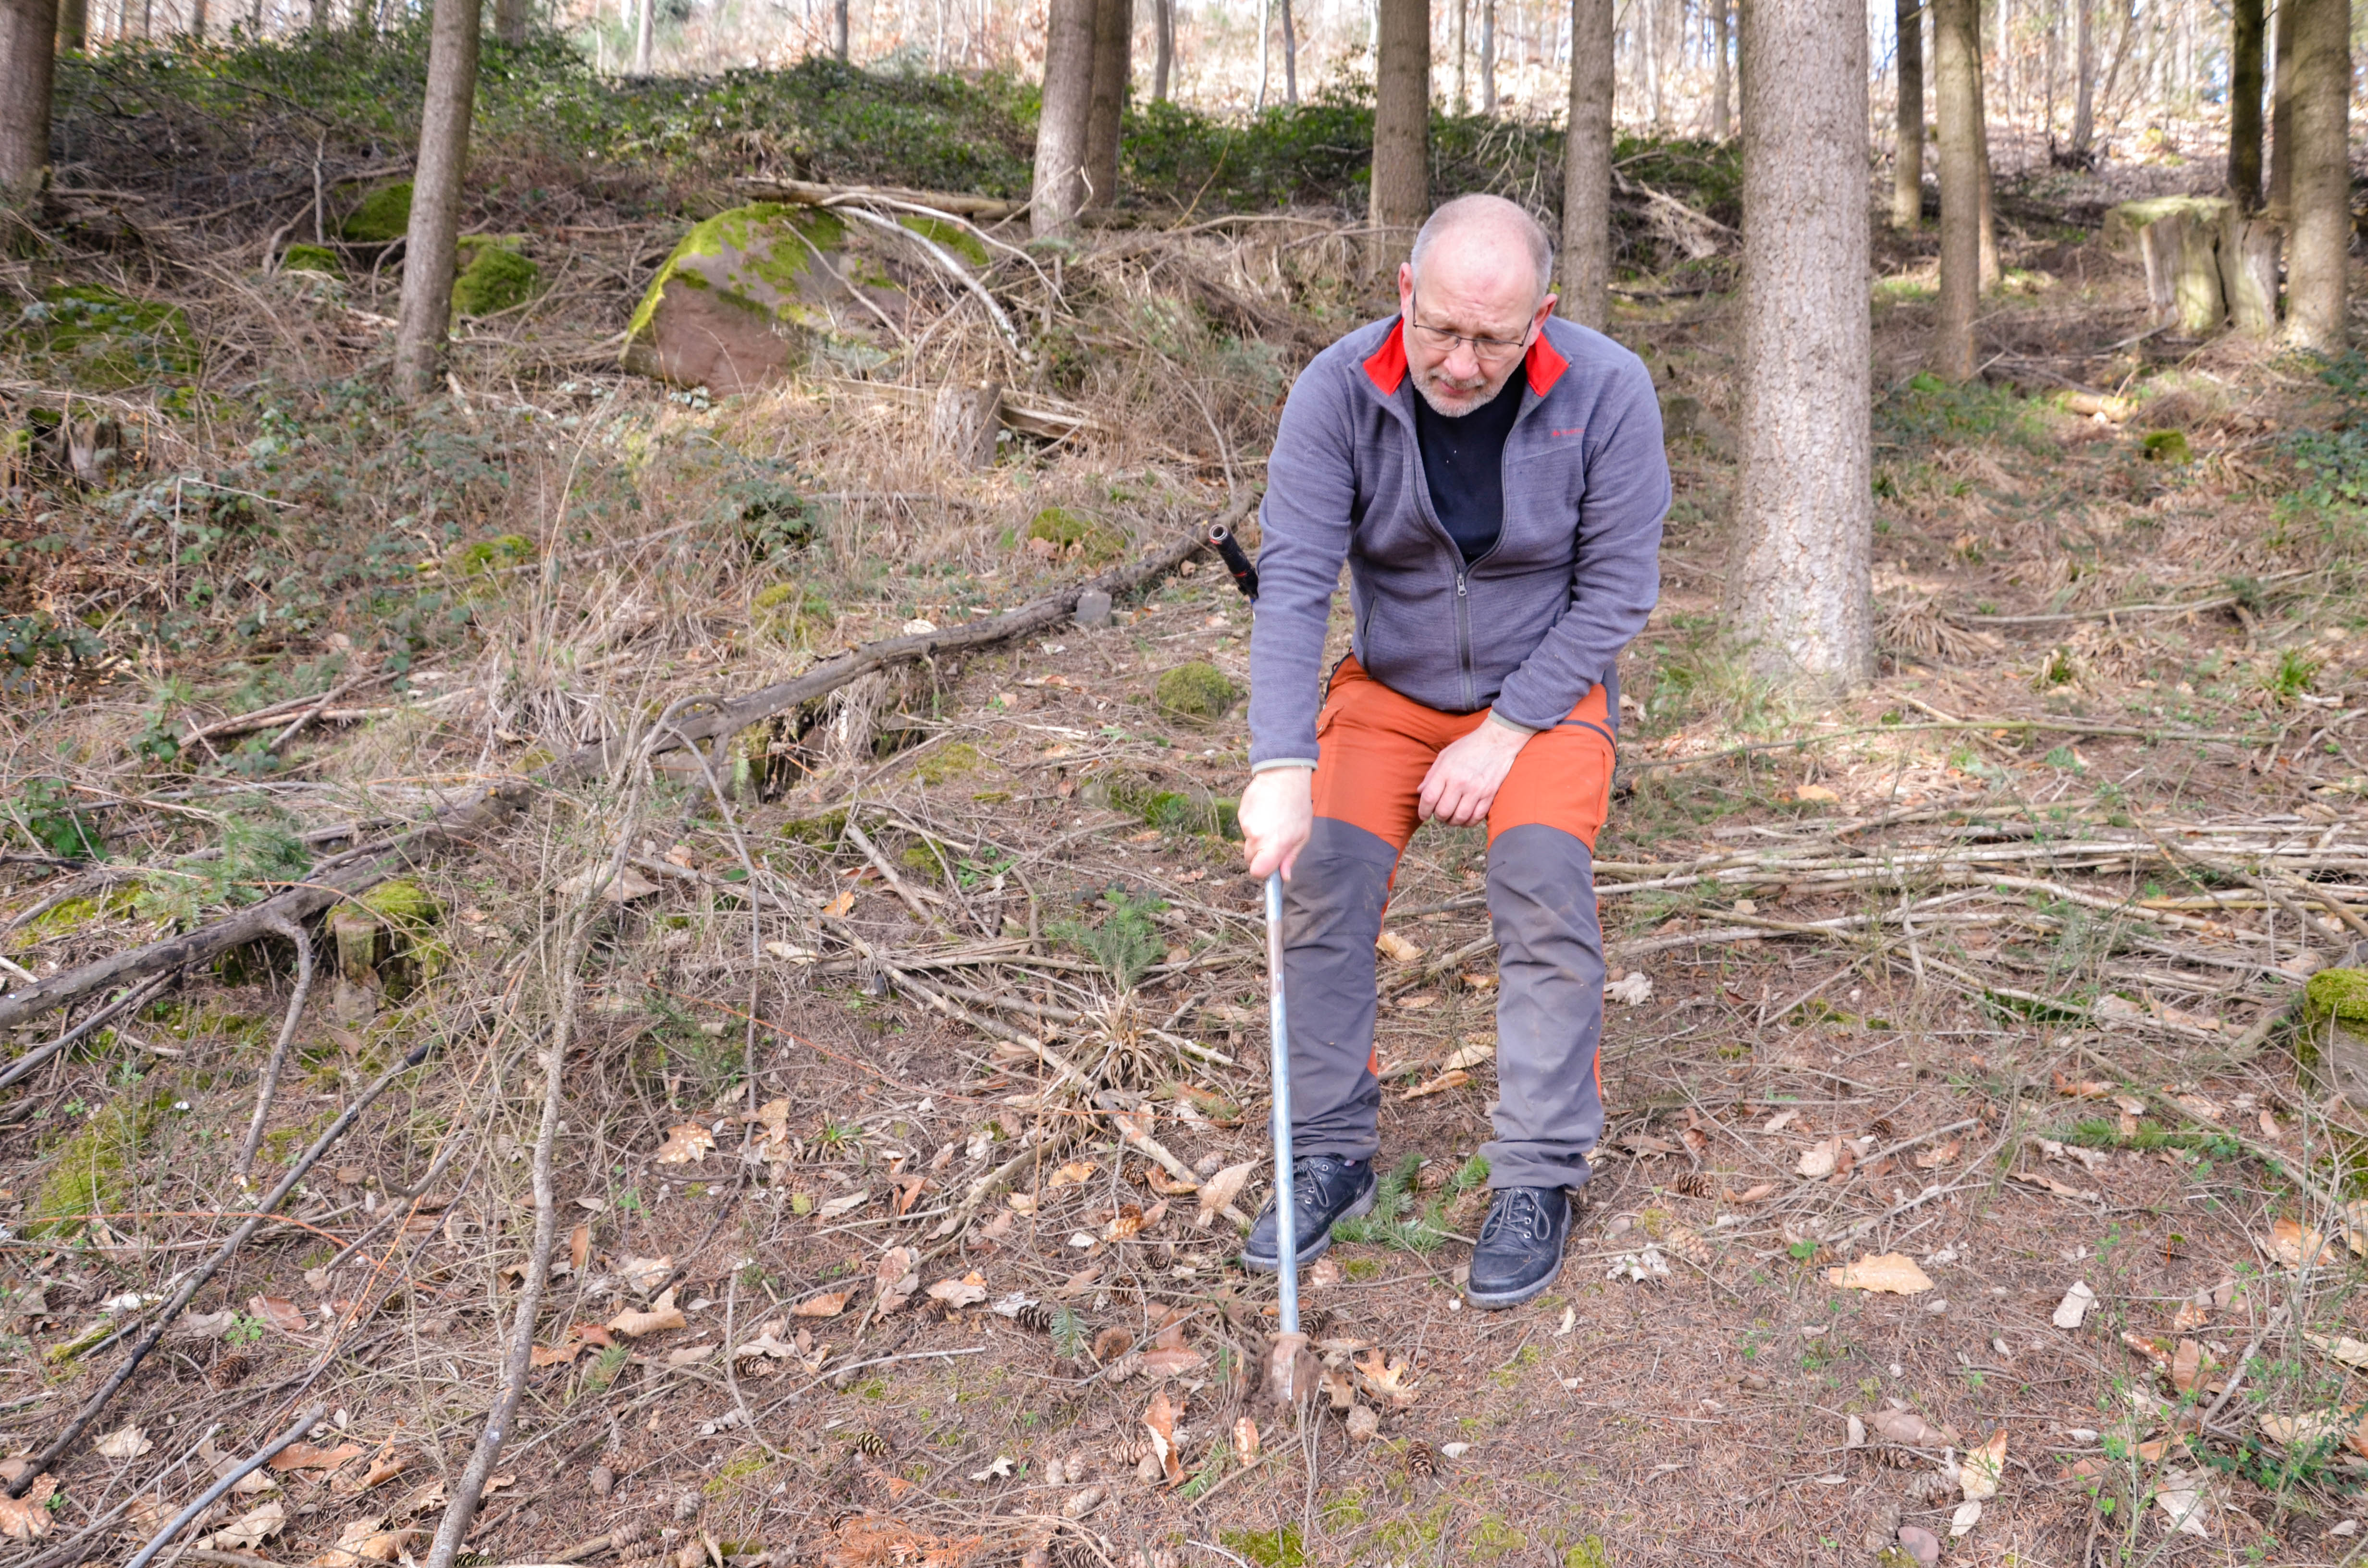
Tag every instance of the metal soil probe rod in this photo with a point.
(1286, 1216)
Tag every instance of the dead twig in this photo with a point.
(270, 1084)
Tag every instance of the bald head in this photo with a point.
(1474, 294)
(1486, 239)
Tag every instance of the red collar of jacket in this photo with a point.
(1386, 366)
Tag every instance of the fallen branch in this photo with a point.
(461, 824)
(270, 1085)
(221, 1488)
(807, 193)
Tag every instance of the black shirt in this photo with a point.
(1464, 463)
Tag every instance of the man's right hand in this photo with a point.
(1278, 812)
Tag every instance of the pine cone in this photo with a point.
(1421, 1460)
(870, 1445)
(1693, 1184)
(1884, 1130)
(1317, 1324)
(1035, 1317)
(229, 1371)
(1132, 1451)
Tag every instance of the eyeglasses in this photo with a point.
(1487, 350)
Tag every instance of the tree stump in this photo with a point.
(2248, 271)
(2178, 238)
(362, 943)
(964, 421)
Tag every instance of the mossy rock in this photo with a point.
(103, 341)
(492, 278)
(2166, 446)
(952, 238)
(1175, 811)
(2338, 993)
(1075, 534)
(748, 296)
(383, 217)
(1198, 691)
(312, 258)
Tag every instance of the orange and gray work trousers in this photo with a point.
(1374, 746)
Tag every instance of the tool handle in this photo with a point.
(1222, 540)
(1286, 1213)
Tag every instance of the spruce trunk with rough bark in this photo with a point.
(2318, 218)
(429, 247)
(1722, 93)
(2084, 80)
(1106, 106)
(1907, 164)
(1800, 588)
(510, 18)
(1400, 197)
(1587, 167)
(29, 54)
(2245, 103)
(1958, 121)
(1061, 124)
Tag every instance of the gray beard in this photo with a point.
(1422, 388)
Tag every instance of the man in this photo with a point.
(1495, 479)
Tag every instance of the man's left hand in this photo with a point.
(1463, 780)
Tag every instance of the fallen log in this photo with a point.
(807, 193)
(461, 823)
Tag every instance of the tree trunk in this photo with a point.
(510, 18)
(1105, 105)
(1800, 588)
(28, 53)
(1991, 273)
(645, 28)
(2245, 103)
(837, 29)
(2248, 271)
(2004, 56)
(1956, 103)
(1488, 57)
(2084, 80)
(1462, 98)
(197, 19)
(1289, 58)
(1061, 124)
(1650, 43)
(1721, 95)
(1163, 60)
(1266, 29)
(1587, 169)
(428, 248)
(1908, 162)
(2319, 199)
(1400, 196)
(73, 25)
(2282, 142)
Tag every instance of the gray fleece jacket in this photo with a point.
(1529, 626)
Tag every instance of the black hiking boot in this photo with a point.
(1325, 1188)
(1521, 1246)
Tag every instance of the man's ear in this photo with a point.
(1538, 320)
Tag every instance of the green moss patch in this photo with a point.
(383, 216)
(91, 1173)
(103, 340)
(1073, 533)
(1198, 690)
(483, 557)
(755, 255)
(956, 761)
(494, 279)
(950, 237)
(312, 258)
(793, 612)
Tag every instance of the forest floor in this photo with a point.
(880, 1194)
